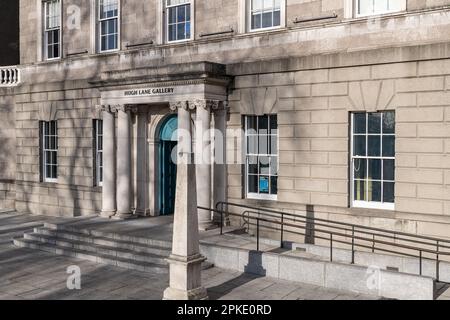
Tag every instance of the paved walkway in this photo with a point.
(32, 274)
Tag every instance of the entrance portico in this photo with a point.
(128, 103)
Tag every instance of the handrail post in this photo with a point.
(331, 247)
(437, 260)
(221, 218)
(282, 231)
(373, 243)
(353, 244)
(420, 262)
(257, 234)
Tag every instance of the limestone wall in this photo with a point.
(313, 106)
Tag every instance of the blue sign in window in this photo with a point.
(264, 184)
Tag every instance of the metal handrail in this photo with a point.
(369, 236)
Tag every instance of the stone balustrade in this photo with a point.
(9, 76)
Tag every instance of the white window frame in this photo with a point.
(98, 123)
(357, 15)
(166, 20)
(45, 150)
(248, 14)
(252, 195)
(46, 30)
(99, 27)
(369, 204)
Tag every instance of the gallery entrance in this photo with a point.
(167, 166)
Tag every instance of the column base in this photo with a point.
(205, 226)
(194, 294)
(107, 214)
(124, 216)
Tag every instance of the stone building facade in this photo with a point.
(356, 95)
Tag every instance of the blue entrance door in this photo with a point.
(167, 166)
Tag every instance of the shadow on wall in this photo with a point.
(253, 270)
(309, 232)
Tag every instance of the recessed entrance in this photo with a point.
(167, 166)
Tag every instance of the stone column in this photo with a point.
(203, 160)
(109, 163)
(220, 168)
(185, 260)
(124, 163)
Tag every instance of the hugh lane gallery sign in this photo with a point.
(149, 92)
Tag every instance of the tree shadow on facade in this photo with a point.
(253, 270)
(310, 225)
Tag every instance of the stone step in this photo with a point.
(98, 249)
(104, 241)
(92, 256)
(109, 235)
(19, 226)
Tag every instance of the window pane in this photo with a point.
(252, 144)
(172, 32)
(188, 30)
(267, 20)
(172, 15)
(264, 167)
(48, 171)
(256, 5)
(365, 6)
(381, 6)
(263, 184)
(253, 183)
(273, 185)
(256, 21)
(388, 146)
(263, 145)
(359, 123)
(108, 8)
(181, 14)
(374, 145)
(267, 4)
(389, 122)
(374, 169)
(253, 165)
(359, 190)
(181, 35)
(273, 144)
(389, 192)
(54, 172)
(263, 125)
(389, 170)
(274, 166)
(273, 125)
(374, 190)
(359, 145)
(374, 123)
(251, 124)
(276, 19)
(188, 12)
(359, 168)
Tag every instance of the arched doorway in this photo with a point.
(167, 166)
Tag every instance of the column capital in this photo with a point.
(204, 103)
(174, 106)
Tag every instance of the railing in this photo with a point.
(9, 76)
(333, 232)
